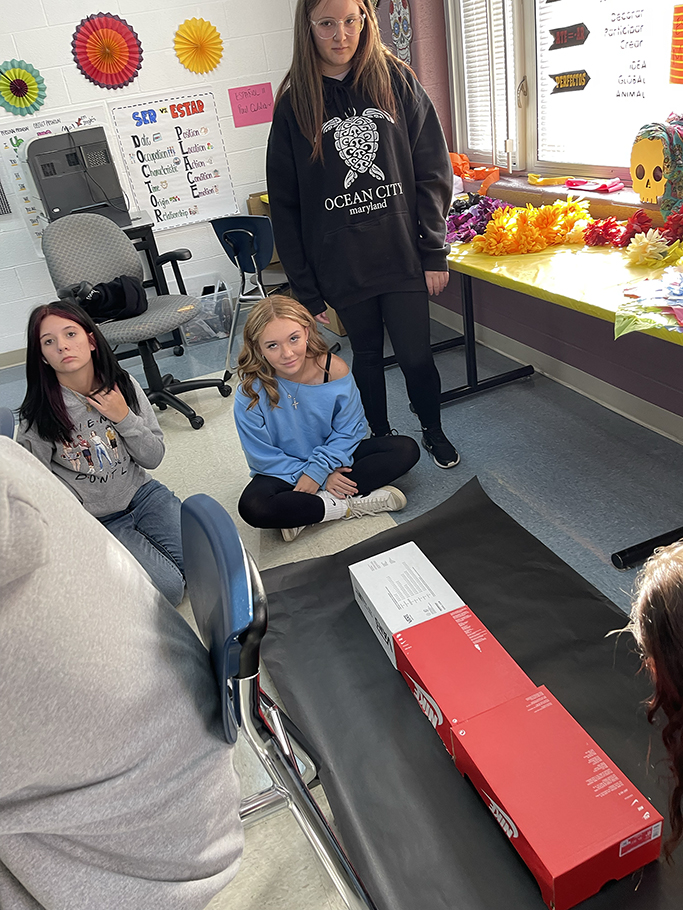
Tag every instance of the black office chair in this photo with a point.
(6, 423)
(248, 241)
(230, 607)
(89, 247)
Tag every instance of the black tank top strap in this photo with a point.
(327, 366)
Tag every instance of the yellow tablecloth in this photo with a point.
(590, 280)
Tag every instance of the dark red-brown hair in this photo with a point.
(657, 624)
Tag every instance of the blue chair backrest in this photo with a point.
(219, 584)
(6, 422)
(249, 239)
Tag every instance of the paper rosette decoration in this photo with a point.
(22, 88)
(107, 50)
(198, 45)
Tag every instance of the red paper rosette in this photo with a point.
(107, 50)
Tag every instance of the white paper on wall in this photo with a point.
(174, 156)
(14, 141)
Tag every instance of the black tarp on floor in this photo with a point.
(418, 834)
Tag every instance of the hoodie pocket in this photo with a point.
(357, 256)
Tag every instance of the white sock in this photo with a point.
(334, 508)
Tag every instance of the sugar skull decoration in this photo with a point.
(401, 29)
(657, 164)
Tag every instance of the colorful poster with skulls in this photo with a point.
(175, 158)
(401, 29)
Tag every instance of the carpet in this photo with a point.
(210, 460)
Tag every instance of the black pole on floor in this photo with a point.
(633, 556)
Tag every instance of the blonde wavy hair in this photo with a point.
(372, 65)
(252, 366)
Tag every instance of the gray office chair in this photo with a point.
(248, 241)
(88, 247)
(230, 607)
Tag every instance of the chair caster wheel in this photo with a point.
(225, 390)
(162, 406)
(196, 422)
(179, 350)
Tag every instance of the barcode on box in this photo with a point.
(640, 839)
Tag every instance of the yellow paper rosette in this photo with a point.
(198, 45)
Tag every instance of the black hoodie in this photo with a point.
(370, 219)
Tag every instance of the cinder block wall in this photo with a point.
(257, 40)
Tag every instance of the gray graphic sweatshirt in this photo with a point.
(104, 462)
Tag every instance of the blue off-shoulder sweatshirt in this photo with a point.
(314, 438)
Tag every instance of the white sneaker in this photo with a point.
(386, 499)
(290, 534)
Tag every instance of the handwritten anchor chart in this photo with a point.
(602, 61)
(175, 158)
(22, 198)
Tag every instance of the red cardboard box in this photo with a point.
(456, 669)
(570, 813)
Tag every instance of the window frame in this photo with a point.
(525, 158)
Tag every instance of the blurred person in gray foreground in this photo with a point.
(117, 789)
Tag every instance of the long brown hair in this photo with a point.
(657, 625)
(252, 366)
(372, 66)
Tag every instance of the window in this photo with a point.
(567, 85)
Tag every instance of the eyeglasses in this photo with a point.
(327, 28)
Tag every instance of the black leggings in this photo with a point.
(406, 316)
(269, 502)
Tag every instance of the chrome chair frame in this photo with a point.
(230, 607)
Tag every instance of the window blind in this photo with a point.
(477, 73)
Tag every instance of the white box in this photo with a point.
(399, 589)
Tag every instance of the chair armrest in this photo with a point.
(251, 638)
(173, 256)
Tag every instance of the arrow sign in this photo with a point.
(573, 81)
(571, 36)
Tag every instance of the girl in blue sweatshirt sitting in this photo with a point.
(302, 427)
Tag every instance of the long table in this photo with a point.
(590, 280)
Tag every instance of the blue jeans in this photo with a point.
(150, 529)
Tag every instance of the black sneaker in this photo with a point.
(444, 454)
(391, 432)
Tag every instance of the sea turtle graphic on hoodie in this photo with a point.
(357, 140)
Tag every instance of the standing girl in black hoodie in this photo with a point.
(359, 183)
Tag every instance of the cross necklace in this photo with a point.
(292, 398)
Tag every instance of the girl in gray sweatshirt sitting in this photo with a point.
(77, 396)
